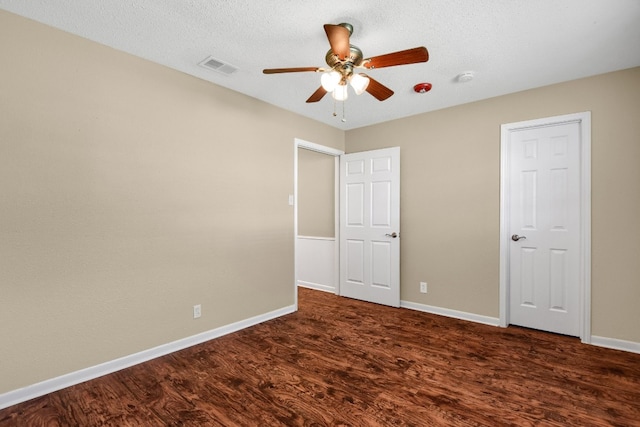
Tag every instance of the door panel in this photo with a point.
(370, 214)
(355, 204)
(381, 204)
(558, 285)
(354, 261)
(380, 271)
(527, 277)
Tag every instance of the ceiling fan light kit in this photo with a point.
(343, 58)
(359, 83)
(330, 79)
(340, 93)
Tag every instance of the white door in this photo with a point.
(544, 234)
(370, 226)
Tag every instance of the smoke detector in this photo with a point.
(467, 76)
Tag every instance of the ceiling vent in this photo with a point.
(214, 64)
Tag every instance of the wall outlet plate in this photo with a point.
(197, 311)
(423, 287)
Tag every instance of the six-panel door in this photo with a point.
(369, 217)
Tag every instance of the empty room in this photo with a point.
(320, 213)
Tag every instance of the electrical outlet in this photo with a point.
(423, 287)
(197, 311)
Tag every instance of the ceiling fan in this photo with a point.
(344, 58)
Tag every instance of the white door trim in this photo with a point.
(300, 143)
(584, 121)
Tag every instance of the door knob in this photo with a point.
(393, 235)
(515, 237)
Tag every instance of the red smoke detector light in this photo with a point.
(422, 87)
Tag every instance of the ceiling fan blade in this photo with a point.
(403, 57)
(317, 95)
(378, 90)
(338, 39)
(289, 70)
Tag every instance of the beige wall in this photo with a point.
(128, 193)
(316, 194)
(450, 196)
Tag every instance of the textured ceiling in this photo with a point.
(510, 45)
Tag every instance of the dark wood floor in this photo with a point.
(340, 362)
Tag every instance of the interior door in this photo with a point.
(370, 226)
(544, 199)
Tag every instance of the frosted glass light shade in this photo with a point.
(330, 80)
(359, 83)
(340, 93)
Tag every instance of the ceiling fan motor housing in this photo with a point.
(347, 65)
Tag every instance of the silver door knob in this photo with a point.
(393, 235)
(515, 237)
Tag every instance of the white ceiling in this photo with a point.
(510, 45)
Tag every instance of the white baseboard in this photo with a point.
(616, 344)
(317, 286)
(612, 343)
(492, 321)
(48, 386)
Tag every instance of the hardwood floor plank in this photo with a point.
(342, 362)
(37, 412)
